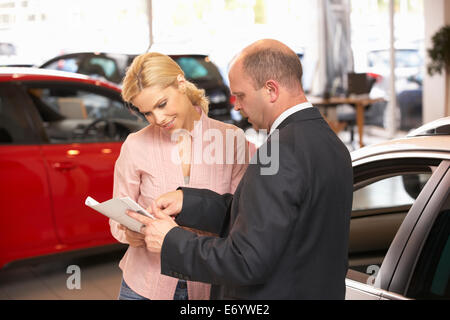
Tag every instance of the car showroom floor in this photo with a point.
(50, 278)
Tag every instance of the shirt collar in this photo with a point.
(198, 125)
(288, 113)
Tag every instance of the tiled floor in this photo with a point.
(100, 276)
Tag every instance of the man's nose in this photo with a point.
(237, 105)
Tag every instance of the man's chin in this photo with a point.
(254, 126)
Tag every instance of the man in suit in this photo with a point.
(282, 235)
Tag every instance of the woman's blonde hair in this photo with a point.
(154, 68)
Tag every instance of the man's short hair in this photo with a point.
(271, 63)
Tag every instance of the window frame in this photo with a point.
(406, 266)
(429, 262)
(29, 114)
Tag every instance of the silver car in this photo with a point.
(400, 227)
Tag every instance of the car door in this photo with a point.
(26, 220)
(388, 194)
(423, 270)
(85, 127)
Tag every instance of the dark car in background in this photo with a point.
(198, 69)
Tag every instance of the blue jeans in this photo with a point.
(181, 292)
(126, 293)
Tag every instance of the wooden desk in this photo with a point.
(358, 103)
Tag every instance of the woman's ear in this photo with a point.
(181, 83)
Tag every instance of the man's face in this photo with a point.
(249, 101)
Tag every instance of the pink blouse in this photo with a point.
(149, 166)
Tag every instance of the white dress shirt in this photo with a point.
(288, 113)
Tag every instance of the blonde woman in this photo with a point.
(175, 149)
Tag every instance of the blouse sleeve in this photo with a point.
(126, 184)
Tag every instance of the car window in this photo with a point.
(91, 65)
(109, 66)
(431, 278)
(380, 204)
(198, 68)
(99, 66)
(396, 191)
(77, 115)
(192, 68)
(14, 124)
(68, 64)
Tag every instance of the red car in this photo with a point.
(60, 135)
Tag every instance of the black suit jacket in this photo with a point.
(282, 236)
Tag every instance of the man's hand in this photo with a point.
(154, 230)
(171, 203)
(135, 239)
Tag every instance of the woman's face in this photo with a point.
(168, 108)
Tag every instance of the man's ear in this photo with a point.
(273, 90)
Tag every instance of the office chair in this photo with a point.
(358, 84)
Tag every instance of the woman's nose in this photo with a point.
(158, 118)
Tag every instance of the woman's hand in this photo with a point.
(135, 239)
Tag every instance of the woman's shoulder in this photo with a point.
(136, 139)
(140, 136)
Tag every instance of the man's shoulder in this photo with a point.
(302, 120)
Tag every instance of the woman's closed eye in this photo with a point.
(162, 105)
(158, 106)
